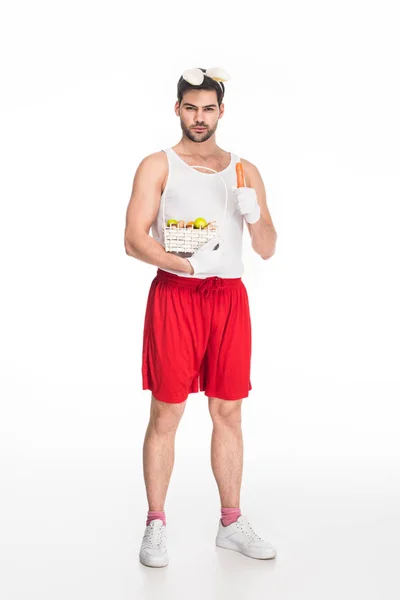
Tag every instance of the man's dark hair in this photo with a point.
(208, 84)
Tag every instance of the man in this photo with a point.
(197, 329)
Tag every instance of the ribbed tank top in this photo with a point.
(190, 193)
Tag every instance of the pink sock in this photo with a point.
(229, 515)
(155, 514)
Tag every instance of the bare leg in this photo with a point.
(159, 450)
(227, 449)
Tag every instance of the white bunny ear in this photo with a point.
(193, 76)
(218, 74)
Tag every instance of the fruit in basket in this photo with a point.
(200, 223)
(211, 225)
(172, 222)
(181, 224)
(189, 224)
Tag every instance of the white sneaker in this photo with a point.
(241, 537)
(153, 551)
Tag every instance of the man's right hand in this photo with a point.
(206, 259)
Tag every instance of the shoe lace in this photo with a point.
(249, 531)
(156, 537)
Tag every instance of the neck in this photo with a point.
(201, 149)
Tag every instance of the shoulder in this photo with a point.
(156, 160)
(154, 165)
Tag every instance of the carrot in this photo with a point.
(239, 174)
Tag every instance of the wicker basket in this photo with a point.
(189, 239)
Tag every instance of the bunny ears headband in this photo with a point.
(196, 76)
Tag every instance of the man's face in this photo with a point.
(199, 108)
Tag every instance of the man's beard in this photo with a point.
(198, 136)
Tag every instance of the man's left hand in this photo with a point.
(246, 203)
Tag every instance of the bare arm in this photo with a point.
(263, 233)
(141, 213)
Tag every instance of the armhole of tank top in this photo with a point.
(168, 176)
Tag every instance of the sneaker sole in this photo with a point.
(161, 562)
(228, 545)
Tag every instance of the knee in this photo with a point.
(224, 412)
(165, 417)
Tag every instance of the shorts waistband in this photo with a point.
(203, 285)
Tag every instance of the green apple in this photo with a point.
(172, 222)
(200, 223)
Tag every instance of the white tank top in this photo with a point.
(190, 193)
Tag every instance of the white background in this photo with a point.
(88, 90)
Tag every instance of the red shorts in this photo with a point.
(197, 337)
